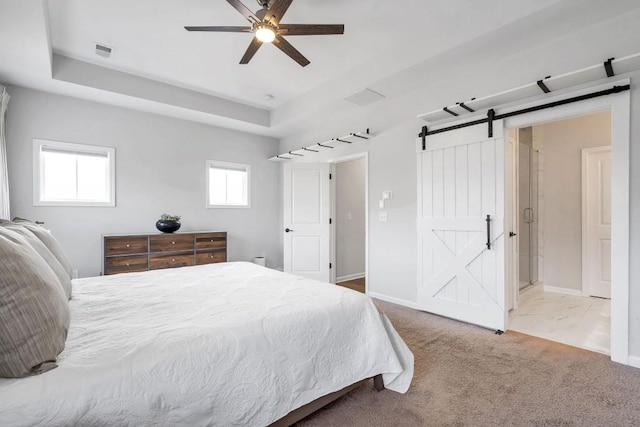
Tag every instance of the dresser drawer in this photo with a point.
(171, 242)
(126, 264)
(211, 240)
(210, 257)
(157, 262)
(125, 245)
(142, 252)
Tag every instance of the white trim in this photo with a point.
(512, 261)
(620, 106)
(332, 229)
(634, 361)
(108, 152)
(585, 153)
(565, 291)
(350, 277)
(228, 165)
(393, 300)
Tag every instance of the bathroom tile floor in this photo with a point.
(583, 322)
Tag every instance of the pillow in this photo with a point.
(43, 251)
(34, 311)
(49, 241)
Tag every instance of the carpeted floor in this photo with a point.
(468, 376)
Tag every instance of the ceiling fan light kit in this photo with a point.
(266, 27)
(265, 32)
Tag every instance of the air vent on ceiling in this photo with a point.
(103, 51)
(365, 97)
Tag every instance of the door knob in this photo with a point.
(511, 234)
(288, 230)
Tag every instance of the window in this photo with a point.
(73, 174)
(227, 185)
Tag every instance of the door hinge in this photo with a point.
(330, 221)
(330, 266)
(330, 176)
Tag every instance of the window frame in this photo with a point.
(110, 152)
(227, 165)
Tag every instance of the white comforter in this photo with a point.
(224, 344)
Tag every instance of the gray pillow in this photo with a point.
(43, 251)
(49, 241)
(34, 311)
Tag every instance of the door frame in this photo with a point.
(332, 198)
(619, 106)
(586, 234)
(512, 209)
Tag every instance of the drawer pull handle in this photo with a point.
(210, 256)
(173, 260)
(173, 243)
(212, 240)
(128, 245)
(128, 264)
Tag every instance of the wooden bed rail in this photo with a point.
(311, 407)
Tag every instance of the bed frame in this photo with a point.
(311, 407)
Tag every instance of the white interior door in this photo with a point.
(596, 216)
(461, 181)
(306, 220)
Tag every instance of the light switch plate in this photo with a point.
(383, 216)
(381, 204)
(386, 195)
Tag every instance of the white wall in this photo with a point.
(563, 144)
(350, 218)
(488, 65)
(160, 167)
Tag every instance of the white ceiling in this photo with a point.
(149, 39)
(161, 68)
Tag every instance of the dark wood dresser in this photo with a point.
(142, 252)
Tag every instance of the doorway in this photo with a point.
(349, 222)
(564, 231)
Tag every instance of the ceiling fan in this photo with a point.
(266, 26)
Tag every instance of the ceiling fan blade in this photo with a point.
(291, 51)
(309, 29)
(221, 29)
(244, 10)
(277, 10)
(251, 50)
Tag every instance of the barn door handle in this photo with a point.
(288, 230)
(488, 231)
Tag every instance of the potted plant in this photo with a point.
(168, 223)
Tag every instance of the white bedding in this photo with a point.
(222, 344)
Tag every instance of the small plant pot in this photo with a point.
(167, 226)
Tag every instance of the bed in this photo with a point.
(222, 344)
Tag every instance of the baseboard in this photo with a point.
(566, 291)
(634, 361)
(350, 277)
(393, 300)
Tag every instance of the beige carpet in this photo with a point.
(467, 376)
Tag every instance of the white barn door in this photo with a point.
(461, 181)
(306, 220)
